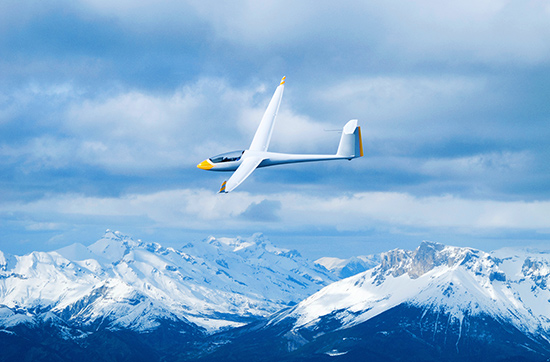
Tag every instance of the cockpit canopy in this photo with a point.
(227, 157)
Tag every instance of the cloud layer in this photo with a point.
(106, 107)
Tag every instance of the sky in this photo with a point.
(106, 108)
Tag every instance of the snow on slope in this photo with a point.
(509, 285)
(126, 283)
(344, 268)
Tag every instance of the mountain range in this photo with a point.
(121, 299)
(434, 303)
(123, 283)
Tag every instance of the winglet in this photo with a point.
(222, 189)
(283, 80)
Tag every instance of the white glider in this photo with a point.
(245, 162)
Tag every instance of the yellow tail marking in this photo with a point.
(360, 142)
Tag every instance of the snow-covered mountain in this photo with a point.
(435, 302)
(154, 303)
(344, 268)
(121, 283)
(441, 278)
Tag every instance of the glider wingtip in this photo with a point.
(283, 80)
(222, 189)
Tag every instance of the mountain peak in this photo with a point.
(430, 245)
(114, 245)
(427, 256)
(118, 236)
(257, 243)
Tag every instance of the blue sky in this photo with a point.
(106, 107)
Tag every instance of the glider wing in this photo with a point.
(248, 165)
(261, 139)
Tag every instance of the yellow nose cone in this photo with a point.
(205, 165)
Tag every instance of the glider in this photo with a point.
(245, 162)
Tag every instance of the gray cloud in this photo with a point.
(264, 211)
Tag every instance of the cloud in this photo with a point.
(150, 16)
(492, 31)
(404, 107)
(408, 124)
(467, 31)
(361, 209)
(481, 165)
(265, 210)
(41, 226)
(344, 34)
(201, 209)
(106, 107)
(138, 131)
(125, 132)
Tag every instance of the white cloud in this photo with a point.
(499, 31)
(405, 116)
(403, 107)
(397, 209)
(147, 16)
(481, 165)
(206, 210)
(41, 226)
(268, 22)
(42, 152)
(136, 130)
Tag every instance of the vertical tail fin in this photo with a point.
(351, 144)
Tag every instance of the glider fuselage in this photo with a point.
(219, 163)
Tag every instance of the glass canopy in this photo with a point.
(227, 157)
